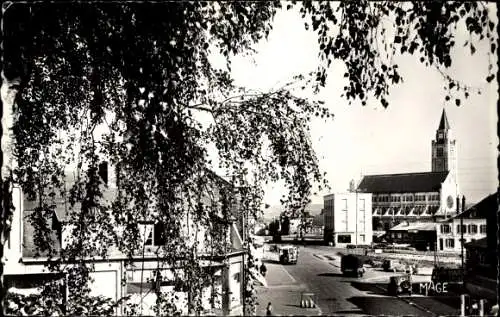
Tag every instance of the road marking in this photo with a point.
(289, 275)
(321, 257)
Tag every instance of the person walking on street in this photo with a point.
(269, 309)
(263, 269)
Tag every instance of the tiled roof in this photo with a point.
(402, 183)
(29, 248)
(63, 209)
(62, 204)
(420, 226)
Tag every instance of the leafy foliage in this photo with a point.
(129, 83)
(369, 34)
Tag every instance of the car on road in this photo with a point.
(284, 254)
(399, 284)
(352, 265)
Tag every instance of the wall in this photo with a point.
(12, 251)
(449, 189)
(235, 284)
(351, 213)
(456, 235)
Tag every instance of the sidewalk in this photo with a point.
(284, 294)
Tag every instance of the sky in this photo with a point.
(362, 140)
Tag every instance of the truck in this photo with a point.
(352, 265)
(284, 254)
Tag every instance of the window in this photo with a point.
(450, 243)
(464, 228)
(445, 229)
(146, 231)
(400, 235)
(344, 204)
(362, 238)
(439, 152)
(472, 229)
(344, 238)
(482, 228)
(482, 259)
(362, 204)
(152, 234)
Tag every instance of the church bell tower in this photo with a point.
(444, 150)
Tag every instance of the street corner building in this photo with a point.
(348, 219)
(25, 270)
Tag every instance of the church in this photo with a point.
(417, 198)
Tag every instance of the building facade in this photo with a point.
(420, 235)
(116, 275)
(482, 254)
(348, 218)
(422, 197)
(449, 231)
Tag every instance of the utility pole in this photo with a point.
(462, 231)
(356, 191)
(353, 187)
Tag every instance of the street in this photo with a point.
(318, 271)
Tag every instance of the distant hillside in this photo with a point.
(276, 210)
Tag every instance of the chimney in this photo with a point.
(103, 172)
(352, 186)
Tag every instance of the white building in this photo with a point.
(348, 218)
(26, 271)
(449, 231)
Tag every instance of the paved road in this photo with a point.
(339, 295)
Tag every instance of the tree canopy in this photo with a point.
(127, 82)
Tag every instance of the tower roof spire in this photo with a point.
(443, 124)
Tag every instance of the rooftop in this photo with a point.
(414, 226)
(480, 243)
(443, 124)
(403, 183)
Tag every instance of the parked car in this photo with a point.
(399, 284)
(396, 266)
(352, 265)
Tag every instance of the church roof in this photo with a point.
(443, 124)
(403, 183)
